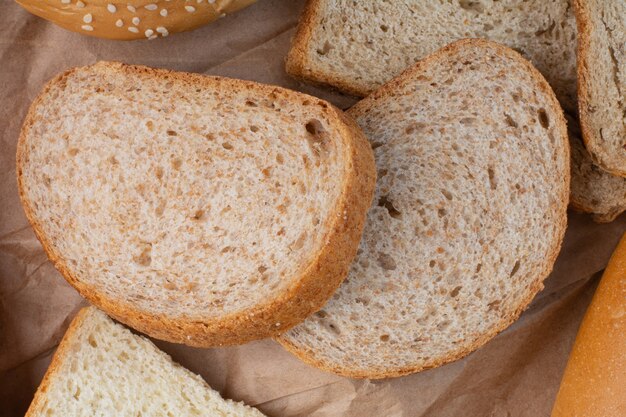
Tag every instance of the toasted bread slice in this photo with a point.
(200, 210)
(602, 81)
(469, 214)
(357, 46)
(102, 369)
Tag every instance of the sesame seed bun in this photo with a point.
(135, 19)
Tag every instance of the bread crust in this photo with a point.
(62, 351)
(297, 63)
(325, 269)
(102, 23)
(309, 357)
(585, 66)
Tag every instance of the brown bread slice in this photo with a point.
(358, 46)
(602, 80)
(200, 210)
(470, 211)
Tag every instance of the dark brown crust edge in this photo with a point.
(297, 63)
(325, 271)
(585, 65)
(57, 359)
(307, 356)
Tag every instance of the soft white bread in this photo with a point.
(136, 19)
(594, 383)
(357, 46)
(102, 369)
(469, 214)
(602, 80)
(200, 210)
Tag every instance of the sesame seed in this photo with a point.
(131, 8)
(211, 1)
(65, 1)
(88, 28)
(163, 12)
(190, 9)
(153, 37)
(80, 4)
(136, 20)
(162, 30)
(133, 29)
(150, 6)
(149, 32)
(111, 8)
(88, 18)
(119, 23)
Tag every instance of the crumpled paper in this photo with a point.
(516, 374)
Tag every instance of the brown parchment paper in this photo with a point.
(516, 374)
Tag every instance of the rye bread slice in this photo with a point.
(199, 210)
(469, 214)
(602, 81)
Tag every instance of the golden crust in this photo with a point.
(103, 17)
(308, 356)
(325, 271)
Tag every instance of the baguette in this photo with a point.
(199, 210)
(594, 382)
(358, 46)
(139, 19)
(602, 81)
(102, 369)
(469, 214)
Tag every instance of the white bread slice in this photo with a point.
(602, 80)
(200, 210)
(470, 211)
(357, 46)
(102, 369)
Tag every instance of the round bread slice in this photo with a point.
(468, 217)
(602, 81)
(199, 210)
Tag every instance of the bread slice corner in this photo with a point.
(101, 368)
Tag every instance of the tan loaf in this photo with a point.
(102, 369)
(200, 210)
(135, 19)
(594, 382)
(469, 215)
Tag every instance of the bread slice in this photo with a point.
(602, 80)
(593, 190)
(199, 210)
(357, 46)
(102, 369)
(469, 214)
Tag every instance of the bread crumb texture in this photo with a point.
(102, 369)
(205, 201)
(469, 215)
